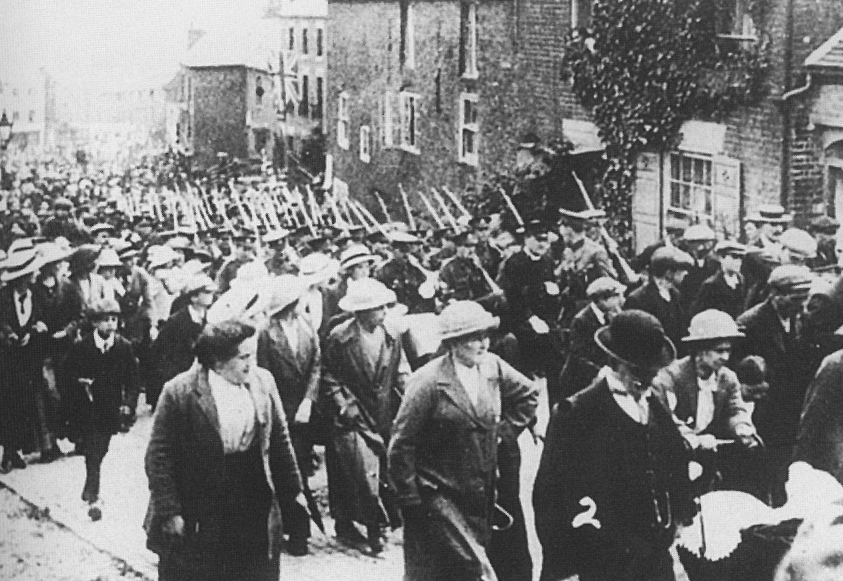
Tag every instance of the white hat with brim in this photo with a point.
(239, 303)
(462, 318)
(366, 294)
(108, 259)
(251, 274)
(20, 244)
(354, 255)
(712, 325)
(161, 256)
(770, 214)
(50, 252)
(317, 268)
(284, 290)
(200, 283)
(21, 264)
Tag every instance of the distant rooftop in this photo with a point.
(829, 55)
(251, 46)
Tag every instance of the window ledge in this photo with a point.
(470, 162)
(342, 144)
(410, 149)
(470, 76)
(737, 37)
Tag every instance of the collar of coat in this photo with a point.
(488, 409)
(205, 397)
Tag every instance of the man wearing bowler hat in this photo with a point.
(612, 485)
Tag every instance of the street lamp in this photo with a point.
(5, 131)
(5, 138)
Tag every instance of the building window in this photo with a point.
(304, 41)
(292, 44)
(31, 116)
(691, 189)
(259, 91)
(317, 108)
(343, 123)
(581, 14)
(304, 104)
(409, 122)
(386, 121)
(365, 144)
(469, 129)
(319, 41)
(408, 36)
(468, 40)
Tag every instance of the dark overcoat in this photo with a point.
(443, 456)
(671, 314)
(115, 383)
(585, 358)
(20, 372)
(714, 293)
(820, 438)
(359, 403)
(185, 465)
(172, 351)
(600, 477)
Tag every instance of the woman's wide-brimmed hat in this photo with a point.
(636, 338)
(462, 318)
(242, 302)
(366, 294)
(108, 259)
(317, 268)
(354, 255)
(21, 264)
(50, 252)
(712, 325)
(283, 292)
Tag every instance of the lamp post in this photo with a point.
(5, 137)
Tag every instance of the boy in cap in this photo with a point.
(824, 229)
(102, 375)
(725, 290)
(772, 332)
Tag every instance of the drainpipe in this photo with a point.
(787, 121)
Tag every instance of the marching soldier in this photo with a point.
(282, 259)
(404, 275)
(461, 278)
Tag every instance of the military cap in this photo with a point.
(799, 242)
(276, 235)
(536, 227)
(824, 225)
(589, 215)
(399, 237)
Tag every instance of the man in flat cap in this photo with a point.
(660, 296)
(824, 229)
(772, 332)
(798, 247)
(61, 223)
(725, 290)
(585, 358)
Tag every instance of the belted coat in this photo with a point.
(443, 456)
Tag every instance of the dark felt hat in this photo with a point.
(636, 338)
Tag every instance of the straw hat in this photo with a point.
(284, 291)
(770, 214)
(242, 302)
(712, 325)
(161, 256)
(636, 338)
(354, 255)
(50, 252)
(20, 264)
(461, 318)
(366, 294)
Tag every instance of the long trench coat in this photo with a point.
(185, 464)
(443, 457)
(359, 403)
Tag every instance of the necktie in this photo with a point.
(22, 300)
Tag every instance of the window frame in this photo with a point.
(343, 121)
(291, 42)
(387, 128)
(365, 144)
(472, 159)
(693, 186)
(469, 42)
(407, 98)
(320, 41)
(304, 41)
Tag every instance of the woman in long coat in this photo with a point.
(443, 454)
(363, 369)
(220, 464)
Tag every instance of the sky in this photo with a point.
(84, 43)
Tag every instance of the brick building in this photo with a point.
(301, 28)
(229, 93)
(440, 92)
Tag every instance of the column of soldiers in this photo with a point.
(711, 341)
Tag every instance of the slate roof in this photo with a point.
(829, 55)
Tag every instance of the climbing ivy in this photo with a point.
(647, 66)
